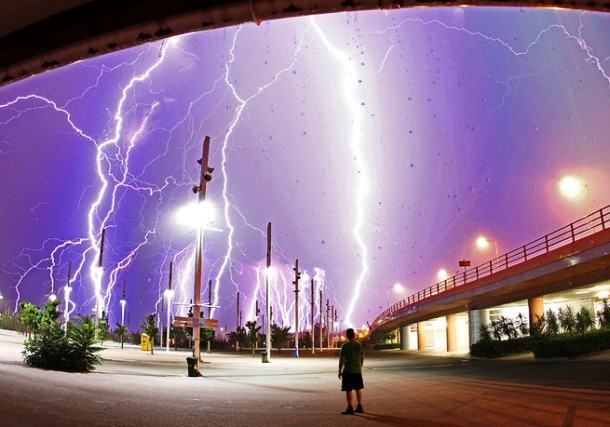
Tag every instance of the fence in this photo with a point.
(592, 223)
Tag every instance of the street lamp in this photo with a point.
(270, 273)
(571, 188)
(442, 275)
(396, 287)
(67, 291)
(483, 244)
(169, 294)
(199, 216)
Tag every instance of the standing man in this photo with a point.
(351, 359)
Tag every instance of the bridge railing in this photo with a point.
(592, 223)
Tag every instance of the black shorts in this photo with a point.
(351, 382)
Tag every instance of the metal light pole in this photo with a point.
(204, 178)
(267, 302)
(209, 309)
(67, 291)
(297, 277)
(98, 294)
(313, 316)
(170, 294)
(327, 324)
(321, 330)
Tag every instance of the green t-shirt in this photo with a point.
(352, 351)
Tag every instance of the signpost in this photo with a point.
(191, 322)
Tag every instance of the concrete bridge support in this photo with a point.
(536, 310)
(404, 337)
(451, 332)
(421, 336)
(476, 318)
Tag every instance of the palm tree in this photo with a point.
(566, 319)
(604, 315)
(585, 320)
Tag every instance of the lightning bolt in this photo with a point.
(243, 102)
(354, 106)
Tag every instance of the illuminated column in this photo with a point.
(476, 318)
(451, 333)
(421, 336)
(404, 337)
(536, 309)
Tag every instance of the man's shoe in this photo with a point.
(348, 411)
(359, 410)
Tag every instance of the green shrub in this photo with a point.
(386, 346)
(50, 347)
(569, 346)
(492, 349)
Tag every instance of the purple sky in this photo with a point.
(379, 144)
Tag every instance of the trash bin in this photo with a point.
(192, 366)
(145, 342)
(294, 352)
(264, 356)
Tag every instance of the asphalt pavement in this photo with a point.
(133, 387)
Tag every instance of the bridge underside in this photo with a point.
(565, 268)
(104, 26)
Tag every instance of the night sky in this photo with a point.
(379, 145)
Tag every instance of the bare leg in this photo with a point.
(350, 398)
(359, 396)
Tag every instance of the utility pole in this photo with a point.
(327, 324)
(313, 316)
(332, 327)
(204, 177)
(335, 323)
(238, 323)
(267, 302)
(297, 277)
(209, 299)
(321, 318)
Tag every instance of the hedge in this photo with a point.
(575, 345)
(492, 349)
(386, 346)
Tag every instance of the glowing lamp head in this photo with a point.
(442, 274)
(169, 293)
(271, 272)
(571, 187)
(196, 214)
(482, 243)
(398, 288)
(52, 297)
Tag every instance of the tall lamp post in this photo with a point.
(98, 291)
(200, 215)
(67, 290)
(483, 243)
(169, 294)
(268, 272)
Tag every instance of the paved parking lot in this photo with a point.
(401, 388)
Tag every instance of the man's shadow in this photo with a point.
(402, 421)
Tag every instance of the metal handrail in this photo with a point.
(592, 223)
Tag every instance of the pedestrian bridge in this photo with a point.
(571, 257)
